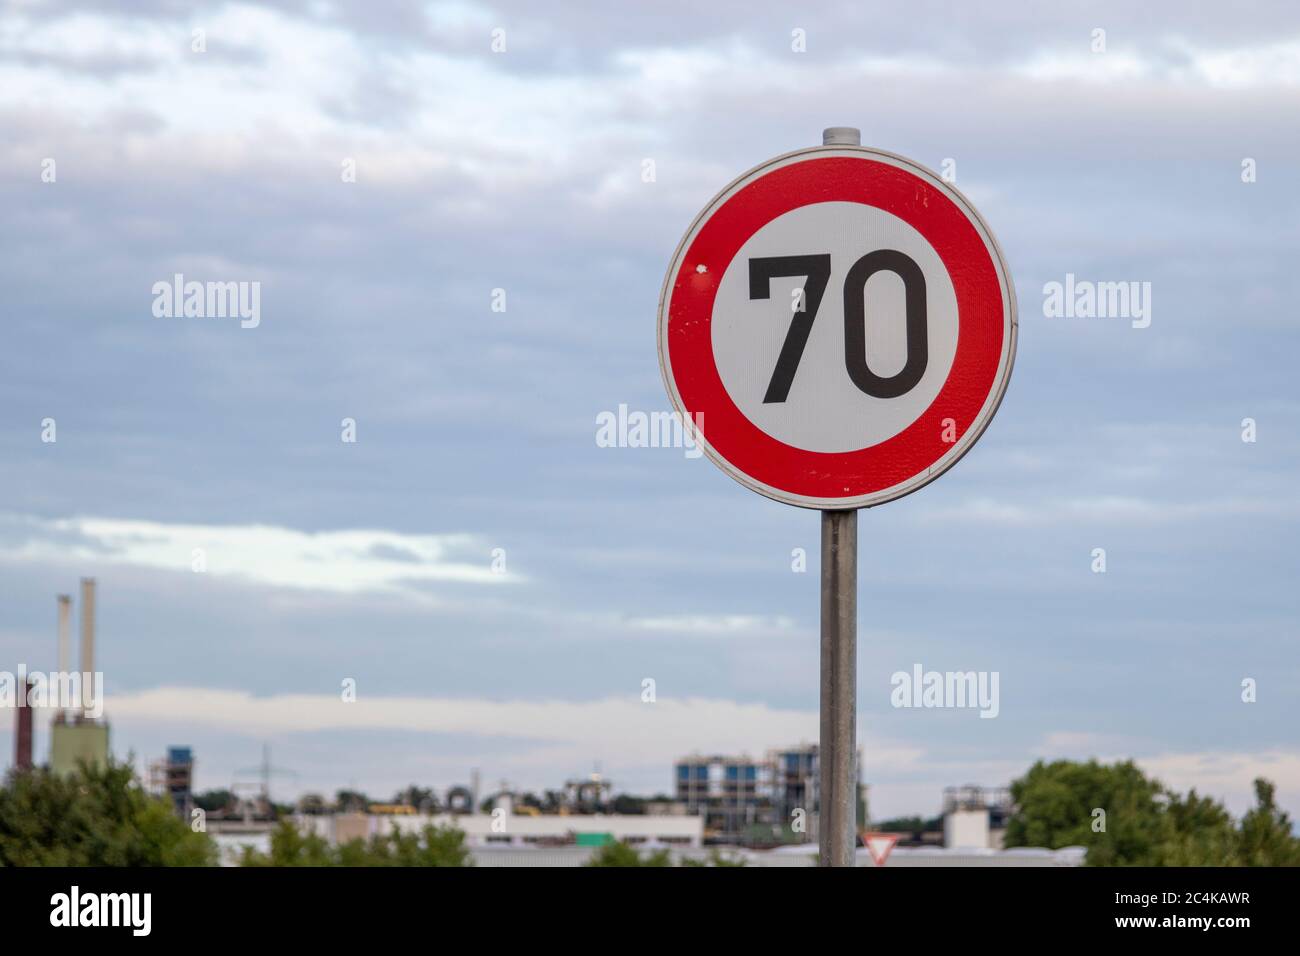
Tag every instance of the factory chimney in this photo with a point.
(65, 643)
(79, 735)
(23, 738)
(87, 633)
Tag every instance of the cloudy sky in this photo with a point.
(521, 170)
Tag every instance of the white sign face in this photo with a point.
(840, 325)
(824, 410)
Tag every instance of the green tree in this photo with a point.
(422, 798)
(1146, 824)
(351, 801)
(628, 804)
(1201, 833)
(617, 853)
(291, 847)
(1055, 806)
(431, 846)
(97, 816)
(909, 825)
(715, 858)
(213, 800)
(312, 804)
(1267, 838)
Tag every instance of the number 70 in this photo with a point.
(816, 270)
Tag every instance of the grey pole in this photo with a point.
(837, 818)
(841, 136)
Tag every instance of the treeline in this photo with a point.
(431, 846)
(1125, 818)
(97, 817)
(103, 817)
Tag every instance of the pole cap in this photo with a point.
(841, 136)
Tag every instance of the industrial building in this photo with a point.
(518, 830)
(738, 801)
(173, 778)
(588, 796)
(975, 817)
(23, 730)
(731, 794)
(75, 736)
(745, 800)
(78, 732)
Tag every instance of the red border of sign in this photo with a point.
(977, 280)
(866, 842)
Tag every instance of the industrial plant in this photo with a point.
(78, 732)
(748, 805)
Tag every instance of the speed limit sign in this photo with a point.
(839, 325)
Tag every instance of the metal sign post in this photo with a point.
(837, 820)
(814, 386)
(837, 752)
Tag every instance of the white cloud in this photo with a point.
(1274, 64)
(1084, 66)
(713, 624)
(349, 561)
(1067, 743)
(1223, 775)
(563, 733)
(1228, 776)
(642, 740)
(273, 85)
(1113, 509)
(1242, 67)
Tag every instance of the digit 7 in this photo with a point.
(816, 270)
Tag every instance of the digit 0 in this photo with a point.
(855, 324)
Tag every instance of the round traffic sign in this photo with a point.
(839, 326)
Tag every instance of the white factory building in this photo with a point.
(505, 829)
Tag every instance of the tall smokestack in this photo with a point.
(23, 737)
(87, 629)
(65, 641)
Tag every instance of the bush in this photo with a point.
(432, 846)
(617, 853)
(98, 816)
(1146, 824)
(716, 858)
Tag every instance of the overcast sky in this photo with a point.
(522, 170)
